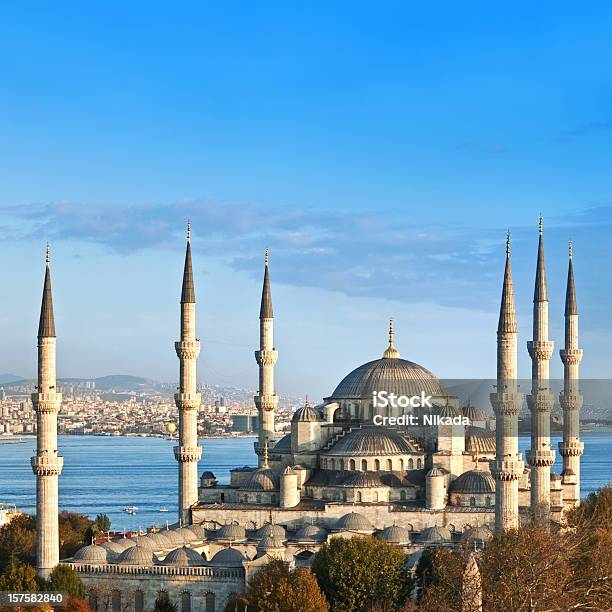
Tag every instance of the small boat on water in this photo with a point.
(130, 509)
(163, 509)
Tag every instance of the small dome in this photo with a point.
(263, 479)
(362, 480)
(184, 557)
(478, 535)
(473, 413)
(228, 557)
(288, 472)
(125, 543)
(270, 543)
(198, 531)
(160, 541)
(435, 471)
(207, 475)
(145, 542)
(233, 533)
(434, 535)
(396, 535)
(114, 549)
(311, 533)
(174, 537)
(186, 534)
(353, 521)
(372, 440)
(450, 411)
(305, 414)
(137, 555)
(91, 554)
(277, 531)
(474, 481)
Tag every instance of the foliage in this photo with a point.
(100, 526)
(276, 588)
(64, 579)
(163, 603)
(359, 573)
(18, 576)
(533, 568)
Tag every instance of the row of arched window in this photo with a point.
(351, 464)
(114, 601)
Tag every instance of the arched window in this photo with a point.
(273, 498)
(210, 602)
(162, 598)
(359, 496)
(410, 464)
(186, 602)
(138, 601)
(401, 465)
(332, 464)
(222, 497)
(419, 464)
(116, 600)
(258, 498)
(377, 465)
(488, 500)
(472, 501)
(389, 465)
(92, 600)
(403, 495)
(343, 495)
(352, 464)
(364, 465)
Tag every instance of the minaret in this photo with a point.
(571, 448)
(47, 464)
(188, 398)
(266, 399)
(507, 466)
(540, 457)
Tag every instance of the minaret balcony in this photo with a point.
(506, 403)
(188, 401)
(507, 470)
(540, 350)
(571, 356)
(267, 357)
(187, 454)
(187, 349)
(540, 458)
(43, 465)
(47, 403)
(570, 401)
(542, 401)
(571, 449)
(267, 403)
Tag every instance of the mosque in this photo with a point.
(339, 472)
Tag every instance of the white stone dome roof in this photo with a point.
(228, 557)
(394, 375)
(184, 557)
(436, 471)
(198, 531)
(263, 479)
(137, 555)
(277, 531)
(396, 535)
(145, 542)
(477, 534)
(125, 543)
(231, 532)
(372, 440)
(114, 549)
(306, 414)
(160, 541)
(474, 481)
(186, 534)
(270, 542)
(353, 521)
(311, 533)
(91, 554)
(434, 535)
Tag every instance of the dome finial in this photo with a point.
(476, 459)
(391, 352)
(188, 230)
(571, 246)
(266, 255)
(540, 224)
(265, 454)
(48, 254)
(508, 243)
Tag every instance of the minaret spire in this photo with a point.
(266, 399)
(507, 466)
(46, 464)
(540, 457)
(571, 448)
(188, 398)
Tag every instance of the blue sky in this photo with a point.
(380, 150)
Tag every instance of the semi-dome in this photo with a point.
(362, 480)
(91, 554)
(306, 414)
(263, 479)
(474, 481)
(396, 535)
(231, 532)
(372, 440)
(137, 555)
(277, 531)
(311, 533)
(184, 557)
(477, 535)
(434, 535)
(353, 521)
(228, 557)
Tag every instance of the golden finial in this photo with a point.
(266, 255)
(306, 401)
(265, 454)
(476, 459)
(391, 352)
(48, 254)
(540, 224)
(188, 230)
(571, 247)
(508, 243)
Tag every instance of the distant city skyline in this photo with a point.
(381, 159)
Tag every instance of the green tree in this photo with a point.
(361, 573)
(18, 541)
(276, 588)
(163, 603)
(18, 576)
(64, 579)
